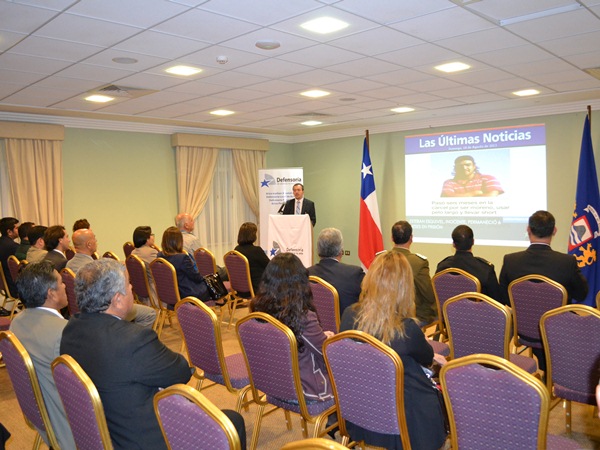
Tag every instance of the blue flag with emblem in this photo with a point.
(585, 228)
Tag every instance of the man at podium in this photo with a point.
(300, 205)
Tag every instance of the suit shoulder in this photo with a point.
(423, 257)
(483, 261)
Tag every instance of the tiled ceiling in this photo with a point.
(55, 52)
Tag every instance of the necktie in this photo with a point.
(298, 207)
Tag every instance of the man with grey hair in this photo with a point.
(127, 362)
(345, 278)
(39, 328)
(185, 223)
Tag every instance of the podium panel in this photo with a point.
(291, 234)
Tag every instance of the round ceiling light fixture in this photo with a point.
(267, 44)
(124, 60)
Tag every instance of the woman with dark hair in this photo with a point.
(256, 256)
(386, 310)
(143, 241)
(285, 294)
(190, 282)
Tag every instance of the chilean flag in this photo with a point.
(370, 240)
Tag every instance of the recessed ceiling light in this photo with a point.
(526, 92)
(402, 109)
(324, 25)
(186, 71)
(452, 67)
(221, 112)
(311, 123)
(97, 98)
(267, 44)
(124, 60)
(315, 93)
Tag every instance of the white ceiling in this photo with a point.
(54, 52)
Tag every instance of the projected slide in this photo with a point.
(491, 179)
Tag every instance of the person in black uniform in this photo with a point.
(482, 269)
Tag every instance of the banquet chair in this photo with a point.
(368, 384)
(571, 337)
(238, 272)
(188, 420)
(205, 261)
(111, 255)
(9, 296)
(530, 297)
(201, 331)
(477, 323)
(82, 403)
(14, 268)
(327, 303)
(493, 404)
(271, 354)
(27, 389)
(128, 248)
(68, 277)
(138, 277)
(448, 283)
(69, 253)
(314, 444)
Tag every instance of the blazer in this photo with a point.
(345, 278)
(59, 261)
(128, 364)
(308, 207)
(480, 268)
(540, 259)
(190, 282)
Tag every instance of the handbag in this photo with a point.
(216, 287)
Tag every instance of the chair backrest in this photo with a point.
(14, 265)
(205, 261)
(571, 336)
(128, 248)
(82, 404)
(477, 324)
(111, 255)
(69, 253)
(26, 386)
(202, 334)
(494, 404)
(238, 271)
(138, 276)
(327, 304)
(368, 383)
(450, 282)
(165, 280)
(530, 297)
(189, 420)
(68, 277)
(4, 285)
(274, 371)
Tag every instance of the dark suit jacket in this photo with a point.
(190, 282)
(344, 277)
(59, 261)
(540, 259)
(8, 247)
(257, 260)
(480, 268)
(128, 364)
(308, 207)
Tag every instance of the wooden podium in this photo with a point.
(292, 234)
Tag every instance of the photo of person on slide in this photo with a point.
(468, 182)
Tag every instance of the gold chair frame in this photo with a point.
(336, 298)
(10, 295)
(365, 338)
(441, 326)
(208, 252)
(153, 304)
(164, 313)
(109, 254)
(92, 391)
(499, 363)
(236, 299)
(70, 273)
(203, 403)
(130, 245)
(199, 373)
(35, 386)
(260, 399)
(598, 300)
(581, 310)
(314, 444)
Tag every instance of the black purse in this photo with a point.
(216, 287)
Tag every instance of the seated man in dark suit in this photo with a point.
(344, 278)
(300, 205)
(482, 269)
(57, 242)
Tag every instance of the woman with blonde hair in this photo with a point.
(386, 310)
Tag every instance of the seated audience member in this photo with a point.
(86, 244)
(9, 230)
(37, 251)
(345, 278)
(190, 282)
(127, 363)
(257, 258)
(386, 310)
(80, 224)
(143, 241)
(39, 328)
(285, 294)
(483, 270)
(24, 244)
(57, 242)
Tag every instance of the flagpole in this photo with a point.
(368, 146)
(589, 108)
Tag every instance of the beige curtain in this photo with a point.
(247, 163)
(36, 179)
(195, 170)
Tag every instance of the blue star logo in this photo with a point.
(265, 182)
(273, 251)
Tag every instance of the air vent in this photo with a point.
(310, 114)
(123, 91)
(594, 71)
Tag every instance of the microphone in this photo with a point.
(280, 211)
